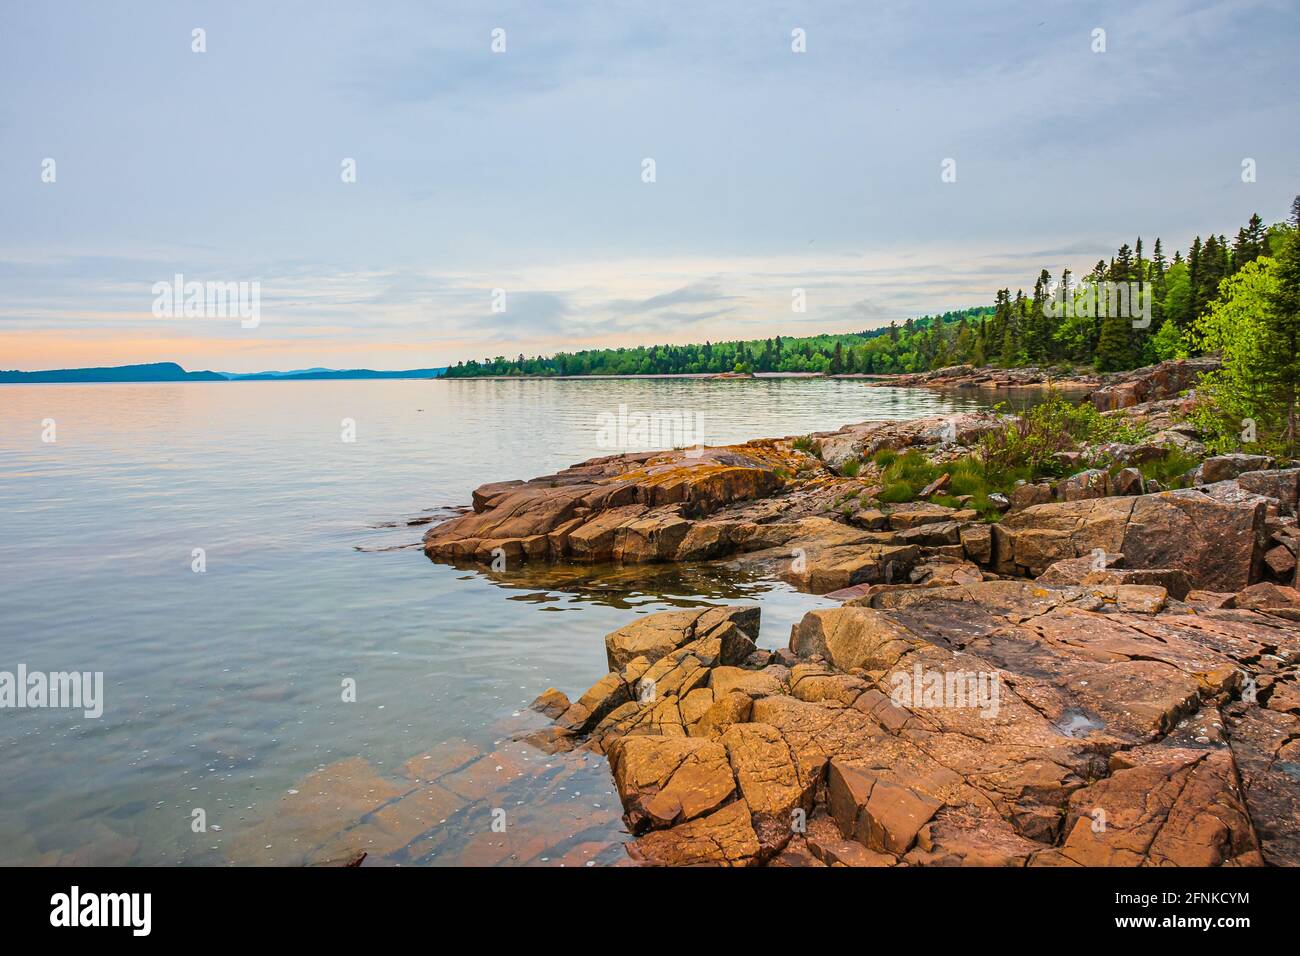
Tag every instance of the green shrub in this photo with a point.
(1221, 433)
(1026, 448)
(804, 443)
(967, 477)
(1170, 469)
(897, 491)
(884, 458)
(850, 468)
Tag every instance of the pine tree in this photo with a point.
(1250, 242)
(1038, 331)
(1194, 274)
(1282, 322)
(1113, 348)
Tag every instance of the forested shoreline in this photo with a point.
(1018, 330)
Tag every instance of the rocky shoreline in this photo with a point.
(1106, 675)
(1108, 392)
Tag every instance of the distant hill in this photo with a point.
(153, 372)
(171, 372)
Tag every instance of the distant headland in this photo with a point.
(171, 372)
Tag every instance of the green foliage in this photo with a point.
(1168, 343)
(1177, 302)
(851, 468)
(905, 475)
(919, 345)
(1029, 442)
(1256, 388)
(804, 443)
(1170, 469)
(1219, 433)
(1113, 349)
(1026, 449)
(896, 492)
(884, 458)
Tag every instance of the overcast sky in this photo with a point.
(523, 170)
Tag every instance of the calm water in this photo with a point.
(223, 688)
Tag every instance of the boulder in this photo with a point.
(977, 542)
(932, 534)
(551, 703)
(1127, 481)
(726, 709)
(603, 696)
(917, 513)
(1153, 383)
(881, 815)
(1023, 496)
(656, 635)
(1172, 581)
(1224, 467)
(664, 781)
(1281, 561)
(1072, 571)
(723, 838)
(1265, 596)
(852, 637)
(1093, 483)
(1218, 544)
(728, 680)
(1281, 484)
(822, 569)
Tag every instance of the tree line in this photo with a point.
(1061, 321)
(916, 345)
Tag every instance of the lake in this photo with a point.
(225, 736)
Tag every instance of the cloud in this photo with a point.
(707, 291)
(521, 170)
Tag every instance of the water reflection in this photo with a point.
(629, 586)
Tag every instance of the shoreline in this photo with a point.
(1104, 634)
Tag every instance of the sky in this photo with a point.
(523, 169)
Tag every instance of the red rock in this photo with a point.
(881, 815)
(1209, 598)
(668, 780)
(1264, 596)
(936, 486)
(1280, 561)
(550, 702)
(723, 838)
(1181, 808)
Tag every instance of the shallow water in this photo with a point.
(223, 690)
